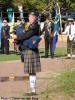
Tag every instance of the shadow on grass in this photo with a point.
(12, 52)
(59, 52)
(58, 56)
(42, 55)
(54, 56)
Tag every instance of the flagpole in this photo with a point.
(13, 19)
(61, 27)
(60, 21)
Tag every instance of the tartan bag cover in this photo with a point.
(31, 61)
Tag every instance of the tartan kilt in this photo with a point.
(31, 61)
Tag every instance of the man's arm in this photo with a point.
(26, 35)
(32, 30)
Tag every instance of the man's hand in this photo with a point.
(15, 37)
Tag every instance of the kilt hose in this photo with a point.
(31, 61)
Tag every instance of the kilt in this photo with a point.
(31, 61)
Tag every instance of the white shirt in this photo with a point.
(72, 30)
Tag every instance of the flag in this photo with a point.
(9, 10)
(13, 18)
(56, 28)
(0, 27)
(12, 24)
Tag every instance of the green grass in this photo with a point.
(59, 52)
(62, 85)
(11, 56)
(66, 83)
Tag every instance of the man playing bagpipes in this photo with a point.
(30, 38)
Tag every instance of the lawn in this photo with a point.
(61, 87)
(59, 52)
(11, 56)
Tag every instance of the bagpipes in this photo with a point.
(19, 29)
(33, 42)
(43, 12)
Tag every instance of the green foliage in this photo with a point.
(37, 4)
(6, 4)
(67, 4)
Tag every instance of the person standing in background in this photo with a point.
(48, 36)
(5, 37)
(70, 31)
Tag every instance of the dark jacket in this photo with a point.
(45, 29)
(32, 30)
(6, 29)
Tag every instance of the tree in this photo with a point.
(5, 4)
(40, 5)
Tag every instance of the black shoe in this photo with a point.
(30, 93)
(7, 53)
(46, 56)
(18, 53)
(52, 55)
